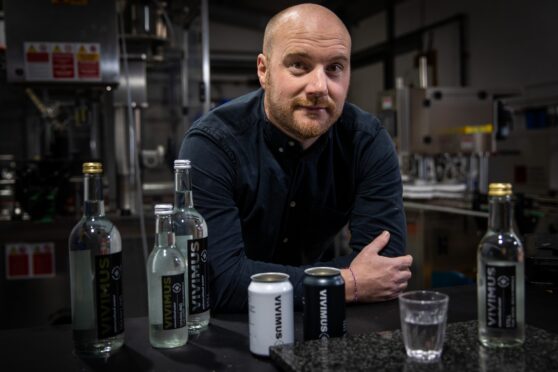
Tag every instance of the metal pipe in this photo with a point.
(184, 82)
(205, 54)
(463, 57)
(94, 139)
(423, 72)
(389, 56)
(409, 42)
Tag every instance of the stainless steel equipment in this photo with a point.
(41, 49)
(443, 135)
(452, 142)
(7, 187)
(526, 152)
(131, 118)
(436, 120)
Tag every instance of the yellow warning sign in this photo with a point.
(88, 60)
(88, 57)
(85, 56)
(31, 49)
(56, 49)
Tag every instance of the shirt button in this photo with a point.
(281, 149)
(291, 143)
(292, 204)
(285, 240)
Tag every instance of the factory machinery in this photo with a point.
(112, 81)
(454, 141)
(121, 81)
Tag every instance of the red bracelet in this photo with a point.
(355, 297)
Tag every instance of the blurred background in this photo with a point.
(468, 91)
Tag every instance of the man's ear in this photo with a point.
(262, 69)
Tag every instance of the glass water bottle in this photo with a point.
(96, 273)
(191, 238)
(500, 275)
(167, 285)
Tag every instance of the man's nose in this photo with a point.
(317, 84)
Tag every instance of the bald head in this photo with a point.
(313, 17)
(305, 70)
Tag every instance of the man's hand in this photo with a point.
(378, 278)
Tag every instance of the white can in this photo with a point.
(270, 312)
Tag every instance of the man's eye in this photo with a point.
(336, 68)
(297, 65)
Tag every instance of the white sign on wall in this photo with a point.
(61, 61)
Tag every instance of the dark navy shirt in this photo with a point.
(272, 206)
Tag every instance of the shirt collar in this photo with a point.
(282, 145)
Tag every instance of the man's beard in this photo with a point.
(284, 114)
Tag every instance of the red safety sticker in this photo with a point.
(63, 65)
(43, 259)
(30, 260)
(17, 262)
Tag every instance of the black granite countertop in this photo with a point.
(373, 343)
(384, 351)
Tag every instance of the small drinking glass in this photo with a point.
(423, 324)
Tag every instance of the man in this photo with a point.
(278, 172)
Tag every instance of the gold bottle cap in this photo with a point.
(499, 189)
(90, 168)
